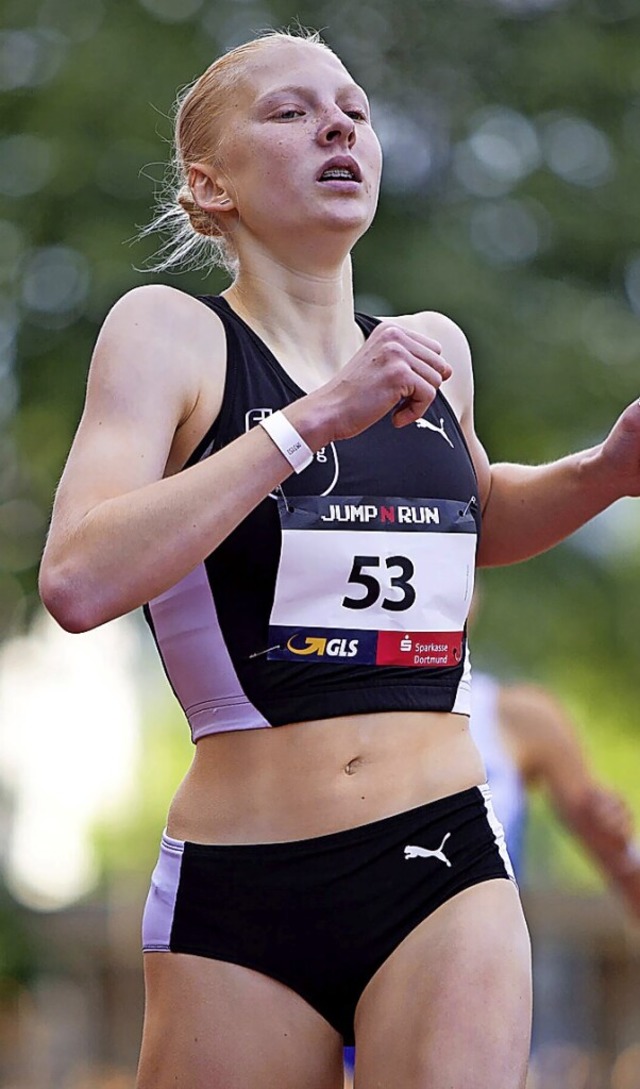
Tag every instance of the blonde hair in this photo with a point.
(193, 237)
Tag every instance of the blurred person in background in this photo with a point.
(336, 802)
(528, 741)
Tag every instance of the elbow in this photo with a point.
(63, 597)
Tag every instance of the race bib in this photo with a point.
(373, 581)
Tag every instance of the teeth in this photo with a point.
(338, 172)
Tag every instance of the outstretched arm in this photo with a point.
(529, 508)
(543, 738)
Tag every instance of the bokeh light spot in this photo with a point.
(29, 58)
(55, 280)
(26, 164)
(577, 151)
(505, 232)
(506, 144)
(406, 145)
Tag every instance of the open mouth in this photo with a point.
(347, 172)
(335, 174)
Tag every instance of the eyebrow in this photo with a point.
(304, 92)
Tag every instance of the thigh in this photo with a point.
(213, 1025)
(451, 1006)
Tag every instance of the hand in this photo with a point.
(628, 881)
(613, 819)
(612, 816)
(395, 371)
(620, 452)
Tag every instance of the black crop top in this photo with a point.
(347, 590)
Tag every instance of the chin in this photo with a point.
(349, 218)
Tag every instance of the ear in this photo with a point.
(210, 189)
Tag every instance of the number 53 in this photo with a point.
(373, 587)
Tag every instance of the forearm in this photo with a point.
(614, 850)
(532, 508)
(128, 549)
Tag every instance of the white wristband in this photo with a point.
(288, 441)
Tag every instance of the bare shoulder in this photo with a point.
(159, 343)
(537, 723)
(154, 299)
(527, 706)
(156, 380)
(173, 323)
(528, 699)
(434, 324)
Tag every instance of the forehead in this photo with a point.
(284, 64)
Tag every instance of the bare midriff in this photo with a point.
(312, 778)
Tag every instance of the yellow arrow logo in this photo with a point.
(314, 644)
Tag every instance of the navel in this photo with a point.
(353, 765)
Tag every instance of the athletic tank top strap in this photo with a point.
(242, 345)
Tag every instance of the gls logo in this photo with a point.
(332, 648)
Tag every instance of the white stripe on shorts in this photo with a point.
(497, 829)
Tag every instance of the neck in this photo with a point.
(306, 319)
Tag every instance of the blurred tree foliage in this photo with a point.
(18, 951)
(511, 131)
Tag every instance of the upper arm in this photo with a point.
(459, 388)
(548, 749)
(144, 384)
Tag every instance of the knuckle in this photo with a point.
(389, 354)
(389, 333)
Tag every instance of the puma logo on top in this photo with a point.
(432, 427)
(411, 851)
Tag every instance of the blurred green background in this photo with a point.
(511, 132)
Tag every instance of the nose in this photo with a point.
(337, 128)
